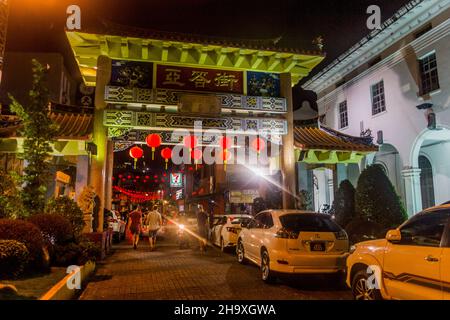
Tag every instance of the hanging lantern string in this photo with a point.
(136, 153)
(153, 141)
(166, 153)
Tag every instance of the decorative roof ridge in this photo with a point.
(366, 140)
(115, 29)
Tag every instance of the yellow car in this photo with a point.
(412, 262)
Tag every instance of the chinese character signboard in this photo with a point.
(243, 196)
(199, 79)
(263, 84)
(131, 74)
(176, 180)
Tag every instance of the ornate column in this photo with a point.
(82, 175)
(413, 195)
(109, 174)
(287, 152)
(98, 173)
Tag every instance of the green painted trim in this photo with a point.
(316, 156)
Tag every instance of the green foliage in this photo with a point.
(11, 205)
(28, 234)
(13, 258)
(38, 132)
(259, 204)
(344, 203)
(362, 230)
(55, 228)
(376, 199)
(305, 200)
(67, 208)
(76, 253)
(274, 198)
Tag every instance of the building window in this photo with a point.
(426, 182)
(428, 74)
(378, 100)
(343, 115)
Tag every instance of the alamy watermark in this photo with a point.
(73, 21)
(74, 281)
(374, 20)
(229, 147)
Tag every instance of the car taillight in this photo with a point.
(232, 230)
(341, 235)
(286, 234)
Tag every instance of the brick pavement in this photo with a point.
(171, 273)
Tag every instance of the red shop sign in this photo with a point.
(199, 79)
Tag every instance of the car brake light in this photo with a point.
(286, 234)
(341, 235)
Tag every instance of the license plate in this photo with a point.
(317, 246)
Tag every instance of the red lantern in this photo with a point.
(225, 142)
(258, 144)
(166, 153)
(190, 142)
(225, 155)
(136, 153)
(153, 141)
(196, 154)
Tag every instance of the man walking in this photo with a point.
(135, 225)
(154, 222)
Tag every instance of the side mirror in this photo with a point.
(394, 235)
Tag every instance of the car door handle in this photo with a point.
(431, 259)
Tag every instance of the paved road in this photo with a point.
(171, 273)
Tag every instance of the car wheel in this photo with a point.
(266, 274)
(240, 252)
(360, 289)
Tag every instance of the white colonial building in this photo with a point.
(395, 84)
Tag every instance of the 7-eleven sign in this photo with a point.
(176, 180)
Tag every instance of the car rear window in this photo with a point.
(241, 220)
(308, 222)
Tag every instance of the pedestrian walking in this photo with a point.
(153, 222)
(135, 225)
(202, 224)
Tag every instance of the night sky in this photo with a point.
(38, 25)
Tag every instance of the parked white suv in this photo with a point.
(293, 241)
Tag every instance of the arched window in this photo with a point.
(426, 182)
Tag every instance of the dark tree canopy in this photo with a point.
(344, 203)
(376, 199)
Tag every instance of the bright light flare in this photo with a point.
(261, 174)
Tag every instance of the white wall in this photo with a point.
(402, 123)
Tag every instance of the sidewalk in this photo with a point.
(170, 273)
